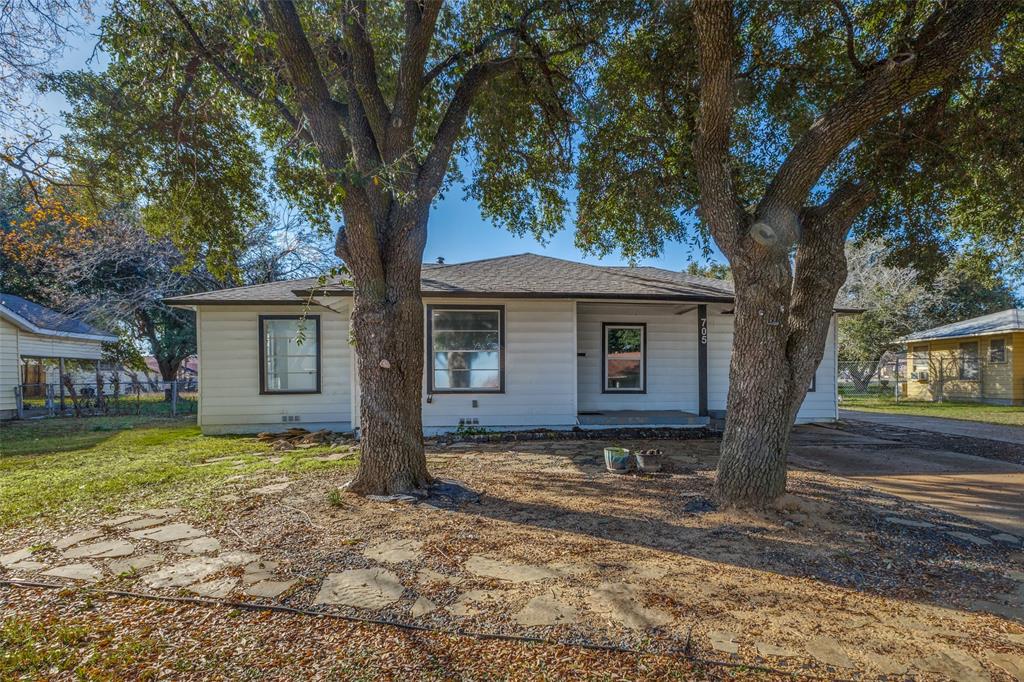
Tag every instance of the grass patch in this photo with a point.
(65, 466)
(977, 412)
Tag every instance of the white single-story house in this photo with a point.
(512, 343)
(38, 346)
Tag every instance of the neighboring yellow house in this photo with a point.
(979, 359)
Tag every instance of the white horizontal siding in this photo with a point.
(34, 345)
(540, 354)
(9, 366)
(230, 399)
(672, 369)
(819, 405)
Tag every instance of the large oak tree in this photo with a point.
(363, 107)
(777, 127)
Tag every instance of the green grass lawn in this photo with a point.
(977, 412)
(55, 467)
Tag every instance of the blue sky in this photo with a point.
(457, 231)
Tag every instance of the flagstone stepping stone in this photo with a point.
(333, 457)
(272, 489)
(422, 607)
(203, 545)
(162, 512)
(215, 460)
(428, 576)
(1016, 639)
(394, 551)
(620, 602)
(968, 537)
(1013, 665)
(28, 566)
(467, 603)
(236, 557)
(118, 520)
(137, 563)
(955, 664)
(884, 664)
(910, 523)
(169, 533)
(145, 522)
(184, 573)
(269, 588)
(105, 549)
(364, 588)
(86, 572)
(546, 610)
(215, 589)
(828, 651)
(724, 641)
(75, 538)
(15, 557)
(513, 573)
(258, 571)
(769, 649)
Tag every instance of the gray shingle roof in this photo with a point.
(524, 275)
(47, 319)
(1005, 321)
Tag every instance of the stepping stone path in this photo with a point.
(75, 538)
(135, 563)
(828, 651)
(954, 664)
(422, 607)
(169, 533)
(272, 489)
(117, 521)
(486, 567)
(202, 545)
(162, 512)
(185, 573)
(620, 602)
(364, 588)
(8, 560)
(394, 551)
(466, 604)
(546, 610)
(215, 589)
(333, 457)
(910, 523)
(968, 537)
(1006, 539)
(259, 571)
(143, 523)
(724, 642)
(769, 649)
(86, 572)
(104, 549)
(269, 589)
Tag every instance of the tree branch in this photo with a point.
(949, 36)
(715, 60)
(233, 79)
(420, 22)
(851, 48)
(364, 73)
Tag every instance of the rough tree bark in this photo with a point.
(783, 307)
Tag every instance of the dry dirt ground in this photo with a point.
(843, 581)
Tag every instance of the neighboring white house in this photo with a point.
(517, 342)
(35, 343)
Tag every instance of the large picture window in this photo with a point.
(466, 349)
(289, 354)
(625, 358)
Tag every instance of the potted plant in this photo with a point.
(618, 460)
(649, 461)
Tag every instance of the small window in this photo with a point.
(919, 359)
(289, 354)
(997, 350)
(970, 367)
(466, 349)
(625, 358)
(814, 383)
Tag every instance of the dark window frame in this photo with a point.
(1003, 361)
(643, 359)
(261, 336)
(500, 309)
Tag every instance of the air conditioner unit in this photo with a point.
(921, 375)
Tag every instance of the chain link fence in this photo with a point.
(99, 398)
(929, 377)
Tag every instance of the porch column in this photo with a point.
(702, 360)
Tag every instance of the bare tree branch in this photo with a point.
(364, 73)
(420, 23)
(851, 47)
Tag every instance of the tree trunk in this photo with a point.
(752, 464)
(387, 326)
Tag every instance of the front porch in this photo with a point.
(610, 419)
